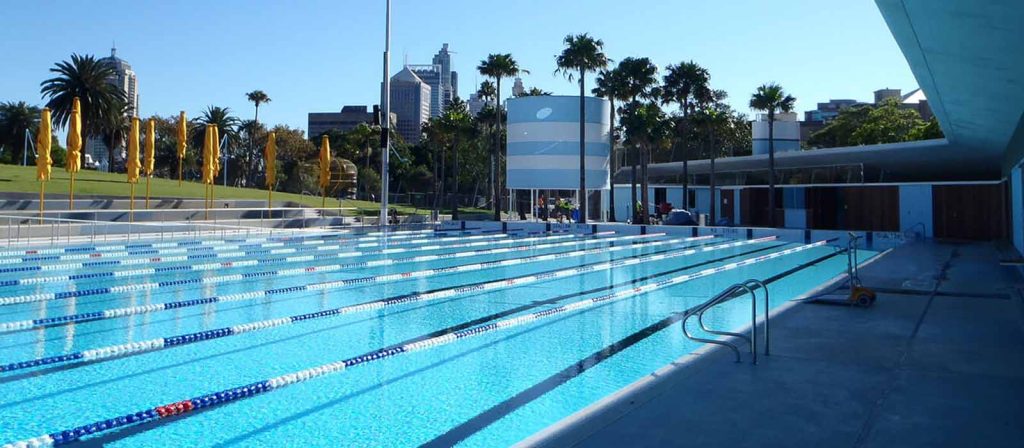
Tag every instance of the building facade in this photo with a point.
(410, 101)
(475, 104)
(126, 80)
(344, 121)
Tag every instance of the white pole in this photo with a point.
(385, 119)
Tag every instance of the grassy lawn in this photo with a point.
(22, 179)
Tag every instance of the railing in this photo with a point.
(748, 286)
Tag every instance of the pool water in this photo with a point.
(492, 389)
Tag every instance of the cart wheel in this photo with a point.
(864, 299)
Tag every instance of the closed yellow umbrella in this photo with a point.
(73, 161)
(270, 158)
(133, 165)
(182, 142)
(43, 161)
(214, 160)
(147, 164)
(207, 167)
(325, 168)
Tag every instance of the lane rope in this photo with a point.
(237, 393)
(120, 350)
(250, 295)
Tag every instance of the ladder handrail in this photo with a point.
(750, 286)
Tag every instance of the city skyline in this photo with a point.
(811, 55)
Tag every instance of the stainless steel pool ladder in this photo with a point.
(748, 286)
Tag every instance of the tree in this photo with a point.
(611, 86)
(714, 119)
(15, 119)
(582, 54)
(927, 131)
(771, 99)
(498, 66)
(227, 126)
(887, 122)
(114, 129)
(458, 126)
(648, 129)
(87, 78)
(256, 97)
(686, 84)
(639, 80)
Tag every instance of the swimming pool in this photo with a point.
(438, 338)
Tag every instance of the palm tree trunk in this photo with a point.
(455, 177)
(632, 185)
(611, 152)
(495, 189)
(583, 154)
(771, 169)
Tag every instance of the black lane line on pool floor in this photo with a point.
(484, 419)
(63, 367)
(102, 440)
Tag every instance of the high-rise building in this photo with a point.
(449, 79)
(125, 80)
(827, 111)
(477, 104)
(518, 89)
(411, 101)
(883, 94)
(431, 75)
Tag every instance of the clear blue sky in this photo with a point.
(312, 56)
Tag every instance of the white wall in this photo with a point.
(916, 207)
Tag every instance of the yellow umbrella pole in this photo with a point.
(270, 198)
(42, 199)
(148, 178)
(323, 199)
(71, 201)
(206, 200)
(131, 202)
(180, 161)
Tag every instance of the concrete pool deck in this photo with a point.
(937, 361)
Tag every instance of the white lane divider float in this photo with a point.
(237, 393)
(252, 295)
(228, 255)
(366, 236)
(148, 286)
(221, 251)
(119, 350)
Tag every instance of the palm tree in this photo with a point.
(256, 97)
(498, 66)
(15, 119)
(113, 129)
(640, 78)
(582, 54)
(610, 86)
(87, 78)
(647, 128)
(227, 126)
(363, 137)
(712, 119)
(686, 84)
(487, 91)
(771, 99)
(457, 123)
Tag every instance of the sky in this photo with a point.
(318, 55)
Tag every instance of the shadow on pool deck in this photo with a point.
(922, 368)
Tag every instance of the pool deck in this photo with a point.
(937, 361)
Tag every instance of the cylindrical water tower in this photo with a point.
(787, 133)
(544, 142)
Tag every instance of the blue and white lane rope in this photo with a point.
(207, 241)
(201, 252)
(150, 286)
(237, 393)
(296, 271)
(119, 350)
(250, 262)
(224, 255)
(252, 295)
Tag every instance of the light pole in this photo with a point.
(385, 121)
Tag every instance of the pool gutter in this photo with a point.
(575, 428)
